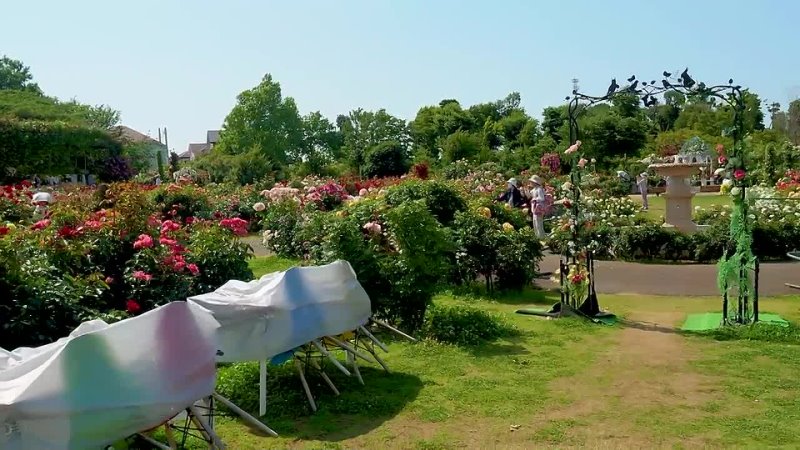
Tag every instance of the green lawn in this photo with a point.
(266, 264)
(657, 204)
(558, 383)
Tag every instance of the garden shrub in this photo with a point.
(710, 243)
(502, 254)
(39, 303)
(518, 257)
(644, 242)
(399, 255)
(464, 325)
(220, 254)
(387, 159)
(182, 201)
(280, 222)
(442, 200)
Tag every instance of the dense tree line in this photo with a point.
(43, 135)
(265, 133)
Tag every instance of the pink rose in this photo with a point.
(168, 226)
(193, 269)
(143, 241)
(722, 160)
(739, 174)
(42, 224)
(142, 276)
(582, 163)
(372, 227)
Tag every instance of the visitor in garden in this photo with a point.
(41, 200)
(538, 205)
(641, 182)
(512, 195)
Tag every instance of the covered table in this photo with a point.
(105, 382)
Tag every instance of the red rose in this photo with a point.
(4, 231)
(132, 306)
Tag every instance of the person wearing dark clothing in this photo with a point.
(512, 195)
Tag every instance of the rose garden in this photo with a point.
(442, 260)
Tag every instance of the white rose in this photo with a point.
(259, 206)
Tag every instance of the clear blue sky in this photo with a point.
(180, 64)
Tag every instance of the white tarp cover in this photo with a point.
(105, 382)
(284, 310)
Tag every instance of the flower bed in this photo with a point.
(86, 261)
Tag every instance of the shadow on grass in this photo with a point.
(649, 326)
(356, 411)
(508, 346)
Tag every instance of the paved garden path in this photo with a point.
(615, 277)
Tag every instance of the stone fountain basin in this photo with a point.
(675, 169)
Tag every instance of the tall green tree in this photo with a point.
(362, 130)
(554, 119)
(793, 122)
(322, 142)
(16, 76)
(778, 118)
(434, 123)
(263, 121)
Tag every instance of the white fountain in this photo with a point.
(678, 171)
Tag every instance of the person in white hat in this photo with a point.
(538, 205)
(512, 194)
(641, 182)
(41, 200)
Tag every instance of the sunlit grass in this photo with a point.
(551, 378)
(657, 204)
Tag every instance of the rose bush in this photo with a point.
(88, 262)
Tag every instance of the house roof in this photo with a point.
(131, 135)
(212, 136)
(197, 149)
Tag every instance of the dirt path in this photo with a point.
(646, 370)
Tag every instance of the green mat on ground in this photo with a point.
(712, 321)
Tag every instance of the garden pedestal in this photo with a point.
(678, 195)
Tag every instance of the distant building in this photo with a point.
(196, 149)
(129, 135)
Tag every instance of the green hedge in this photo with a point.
(652, 242)
(36, 147)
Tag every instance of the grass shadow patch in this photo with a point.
(358, 410)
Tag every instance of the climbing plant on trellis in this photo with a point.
(738, 268)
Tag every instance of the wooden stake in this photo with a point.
(244, 415)
(154, 442)
(391, 328)
(325, 377)
(325, 352)
(380, 361)
(170, 434)
(373, 339)
(351, 359)
(199, 420)
(299, 367)
(350, 349)
(262, 388)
